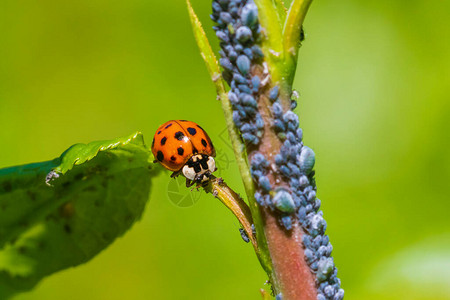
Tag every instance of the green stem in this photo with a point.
(291, 35)
(291, 275)
(235, 137)
(235, 203)
(272, 37)
(241, 159)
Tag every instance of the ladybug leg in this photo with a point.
(205, 184)
(189, 182)
(175, 174)
(198, 181)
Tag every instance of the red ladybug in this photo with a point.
(184, 147)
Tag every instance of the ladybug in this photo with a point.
(185, 148)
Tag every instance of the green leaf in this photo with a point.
(61, 213)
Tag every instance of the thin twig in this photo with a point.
(235, 203)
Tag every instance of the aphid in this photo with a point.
(243, 34)
(325, 268)
(339, 295)
(279, 159)
(239, 78)
(299, 132)
(259, 122)
(223, 36)
(265, 183)
(226, 17)
(317, 204)
(277, 110)
(185, 148)
(291, 117)
(257, 52)
(249, 15)
(285, 171)
(306, 160)
(248, 137)
(249, 53)
(243, 64)
(287, 222)
(283, 201)
(244, 235)
(249, 101)
(255, 83)
(233, 98)
(226, 64)
(273, 94)
(244, 89)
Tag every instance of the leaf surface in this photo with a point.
(61, 213)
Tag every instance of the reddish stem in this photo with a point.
(291, 272)
(291, 275)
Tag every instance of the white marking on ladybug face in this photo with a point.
(211, 164)
(199, 168)
(189, 172)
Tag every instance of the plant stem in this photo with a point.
(291, 36)
(241, 159)
(292, 276)
(236, 141)
(233, 202)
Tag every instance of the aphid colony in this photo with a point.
(239, 32)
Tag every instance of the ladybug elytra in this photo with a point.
(184, 147)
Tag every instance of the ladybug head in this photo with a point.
(199, 168)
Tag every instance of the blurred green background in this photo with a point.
(375, 90)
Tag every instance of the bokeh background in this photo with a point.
(375, 90)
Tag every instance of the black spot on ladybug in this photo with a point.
(159, 132)
(180, 151)
(163, 141)
(159, 156)
(173, 158)
(168, 125)
(204, 143)
(179, 135)
(191, 130)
